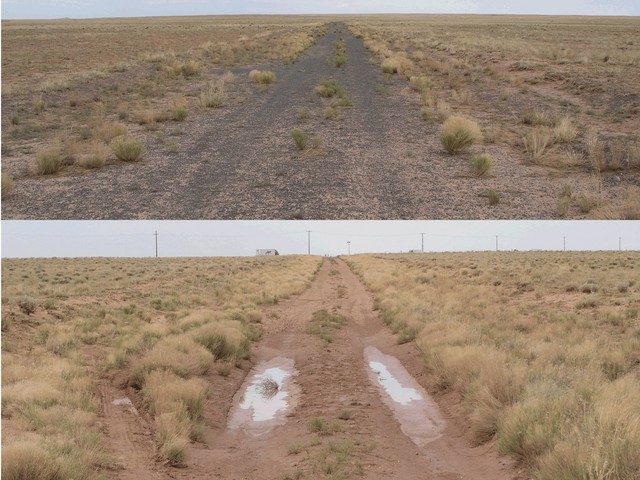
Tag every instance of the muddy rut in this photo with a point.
(380, 161)
(334, 383)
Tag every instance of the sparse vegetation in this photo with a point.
(265, 77)
(213, 96)
(459, 134)
(127, 149)
(300, 138)
(50, 160)
(7, 184)
(481, 164)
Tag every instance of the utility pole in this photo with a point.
(564, 244)
(308, 242)
(619, 243)
(422, 242)
(349, 247)
(496, 243)
(156, 235)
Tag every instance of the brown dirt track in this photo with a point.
(332, 377)
(379, 162)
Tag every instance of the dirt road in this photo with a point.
(361, 436)
(380, 161)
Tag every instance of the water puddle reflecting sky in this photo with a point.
(264, 400)
(418, 415)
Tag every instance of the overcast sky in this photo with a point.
(239, 238)
(134, 8)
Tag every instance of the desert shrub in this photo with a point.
(49, 160)
(179, 113)
(224, 339)
(458, 134)
(178, 354)
(213, 96)
(329, 88)
(95, 156)
(397, 64)
(303, 114)
(300, 138)
(481, 164)
(564, 131)
(107, 131)
(535, 116)
(264, 77)
(493, 197)
(190, 68)
(165, 392)
(126, 148)
(536, 143)
(25, 460)
(340, 60)
(7, 184)
(172, 437)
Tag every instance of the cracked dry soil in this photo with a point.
(380, 161)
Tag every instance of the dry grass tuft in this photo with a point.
(397, 64)
(127, 149)
(7, 184)
(107, 131)
(25, 460)
(213, 96)
(458, 134)
(265, 77)
(480, 165)
(536, 143)
(50, 160)
(564, 131)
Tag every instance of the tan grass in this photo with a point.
(536, 372)
(107, 131)
(536, 143)
(265, 77)
(397, 64)
(8, 184)
(127, 149)
(458, 134)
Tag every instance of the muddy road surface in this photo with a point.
(377, 161)
(330, 395)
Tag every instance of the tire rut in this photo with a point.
(332, 378)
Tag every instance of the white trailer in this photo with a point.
(266, 252)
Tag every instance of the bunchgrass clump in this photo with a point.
(265, 77)
(300, 138)
(49, 160)
(7, 184)
(493, 197)
(459, 134)
(107, 131)
(303, 113)
(480, 165)
(329, 88)
(536, 143)
(213, 96)
(127, 149)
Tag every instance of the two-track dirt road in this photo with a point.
(380, 161)
(332, 379)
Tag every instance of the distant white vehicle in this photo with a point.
(266, 252)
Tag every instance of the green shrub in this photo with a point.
(126, 148)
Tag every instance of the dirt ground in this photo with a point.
(332, 377)
(380, 161)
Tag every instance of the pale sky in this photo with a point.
(240, 238)
(12, 9)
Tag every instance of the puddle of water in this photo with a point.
(418, 415)
(266, 397)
